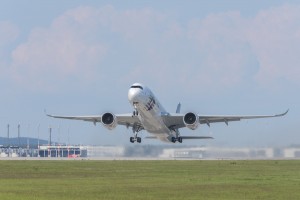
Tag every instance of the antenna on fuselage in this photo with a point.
(178, 108)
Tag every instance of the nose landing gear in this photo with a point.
(135, 113)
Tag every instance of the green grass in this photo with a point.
(149, 179)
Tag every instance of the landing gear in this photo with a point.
(173, 139)
(135, 129)
(135, 113)
(137, 139)
(178, 139)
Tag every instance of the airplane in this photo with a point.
(150, 115)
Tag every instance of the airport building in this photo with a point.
(149, 152)
(62, 151)
(105, 151)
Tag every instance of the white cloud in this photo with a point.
(53, 55)
(263, 49)
(275, 39)
(220, 51)
(136, 24)
(8, 34)
(76, 43)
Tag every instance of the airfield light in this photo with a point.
(50, 130)
(8, 135)
(19, 126)
(38, 132)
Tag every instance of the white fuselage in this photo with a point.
(150, 112)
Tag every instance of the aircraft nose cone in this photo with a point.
(133, 94)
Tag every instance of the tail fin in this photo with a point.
(178, 108)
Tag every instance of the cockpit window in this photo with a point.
(137, 86)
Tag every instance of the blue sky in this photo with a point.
(215, 57)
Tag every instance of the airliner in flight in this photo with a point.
(150, 115)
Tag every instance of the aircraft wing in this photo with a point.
(92, 118)
(176, 120)
(122, 119)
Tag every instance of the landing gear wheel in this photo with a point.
(179, 139)
(139, 140)
(173, 139)
(136, 128)
(132, 139)
(135, 113)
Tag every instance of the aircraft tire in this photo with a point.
(180, 139)
(131, 139)
(173, 139)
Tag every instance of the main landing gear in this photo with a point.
(178, 139)
(135, 129)
(135, 139)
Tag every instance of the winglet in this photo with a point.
(280, 115)
(45, 111)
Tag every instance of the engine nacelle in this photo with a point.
(109, 120)
(191, 120)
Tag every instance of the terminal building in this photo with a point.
(62, 151)
(148, 151)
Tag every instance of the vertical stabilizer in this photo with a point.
(178, 108)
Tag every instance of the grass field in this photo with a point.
(150, 179)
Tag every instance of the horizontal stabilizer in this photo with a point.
(151, 137)
(196, 137)
(185, 137)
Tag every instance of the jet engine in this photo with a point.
(109, 120)
(191, 120)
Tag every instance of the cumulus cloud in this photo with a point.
(75, 44)
(54, 54)
(221, 50)
(263, 49)
(8, 34)
(274, 36)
